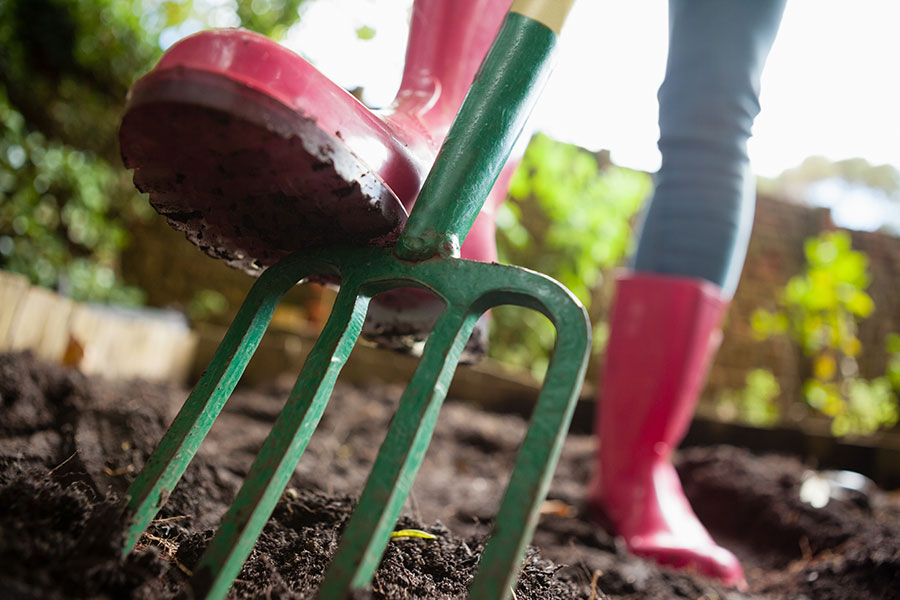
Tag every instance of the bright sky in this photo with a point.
(828, 88)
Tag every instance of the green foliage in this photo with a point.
(67, 64)
(818, 168)
(820, 307)
(755, 404)
(57, 225)
(207, 304)
(566, 218)
(843, 186)
(270, 17)
(820, 310)
(365, 33)
(892, 372)
(856, 405)
(66, 204)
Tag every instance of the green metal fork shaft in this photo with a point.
(479, 141)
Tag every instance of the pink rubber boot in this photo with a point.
(253, 153)
(664, 333)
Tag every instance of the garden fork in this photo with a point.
(425, 256)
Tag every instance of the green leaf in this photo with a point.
(177, 12)
(861, 304)
(892, 343)
(365, 33)
(412, 533)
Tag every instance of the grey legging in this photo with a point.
(698, 223)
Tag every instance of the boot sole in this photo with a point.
(246, 178)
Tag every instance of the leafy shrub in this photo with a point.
(58, 223)
(820, 310)
(755, 404)
(66, 203)
(569, 219)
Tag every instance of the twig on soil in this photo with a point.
(523, 571)
(556, 508)
(182, 568)
(169, 546)
(170, 549)
(805, 549)
(119, 472)
(587, 572)
(54, 469)
(596, 594)
(168, 519)
(833, 557)
(513, 592)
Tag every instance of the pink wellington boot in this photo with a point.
(664, 333)
(253, 153)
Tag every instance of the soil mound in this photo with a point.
(69, 446)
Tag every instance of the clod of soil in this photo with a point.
(69, 446)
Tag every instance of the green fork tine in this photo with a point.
(174, 452)
(476, 147)
(482, 287)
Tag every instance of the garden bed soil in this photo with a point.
(69, 446)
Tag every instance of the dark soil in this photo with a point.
(69, 446)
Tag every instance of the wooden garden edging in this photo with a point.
(99, 340)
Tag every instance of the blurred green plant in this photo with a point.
(756, 404)
(57, 225)
(207, 304)
(365, 33)
(66, 65)
(818, 168)
(270, 17)
(66, 203)
(892, 371)
(570, 219)
(820, 310)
